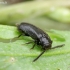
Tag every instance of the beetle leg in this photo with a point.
(33, 45)
(19, 35)
(39, 55)
(15, 38)
(29, 42)
(35, 42)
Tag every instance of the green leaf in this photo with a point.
(16, 55)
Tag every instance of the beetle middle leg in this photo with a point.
(34, 45)
(35, 42)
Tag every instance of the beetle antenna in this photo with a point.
(58, 46)
(45, 50)
(38, 56)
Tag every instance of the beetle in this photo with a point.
(38, 35)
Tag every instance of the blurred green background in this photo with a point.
(46, 14)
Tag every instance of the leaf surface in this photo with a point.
(16, 55)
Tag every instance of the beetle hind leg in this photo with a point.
(35, 42)
(29, 42)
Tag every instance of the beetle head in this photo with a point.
(45, 43)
